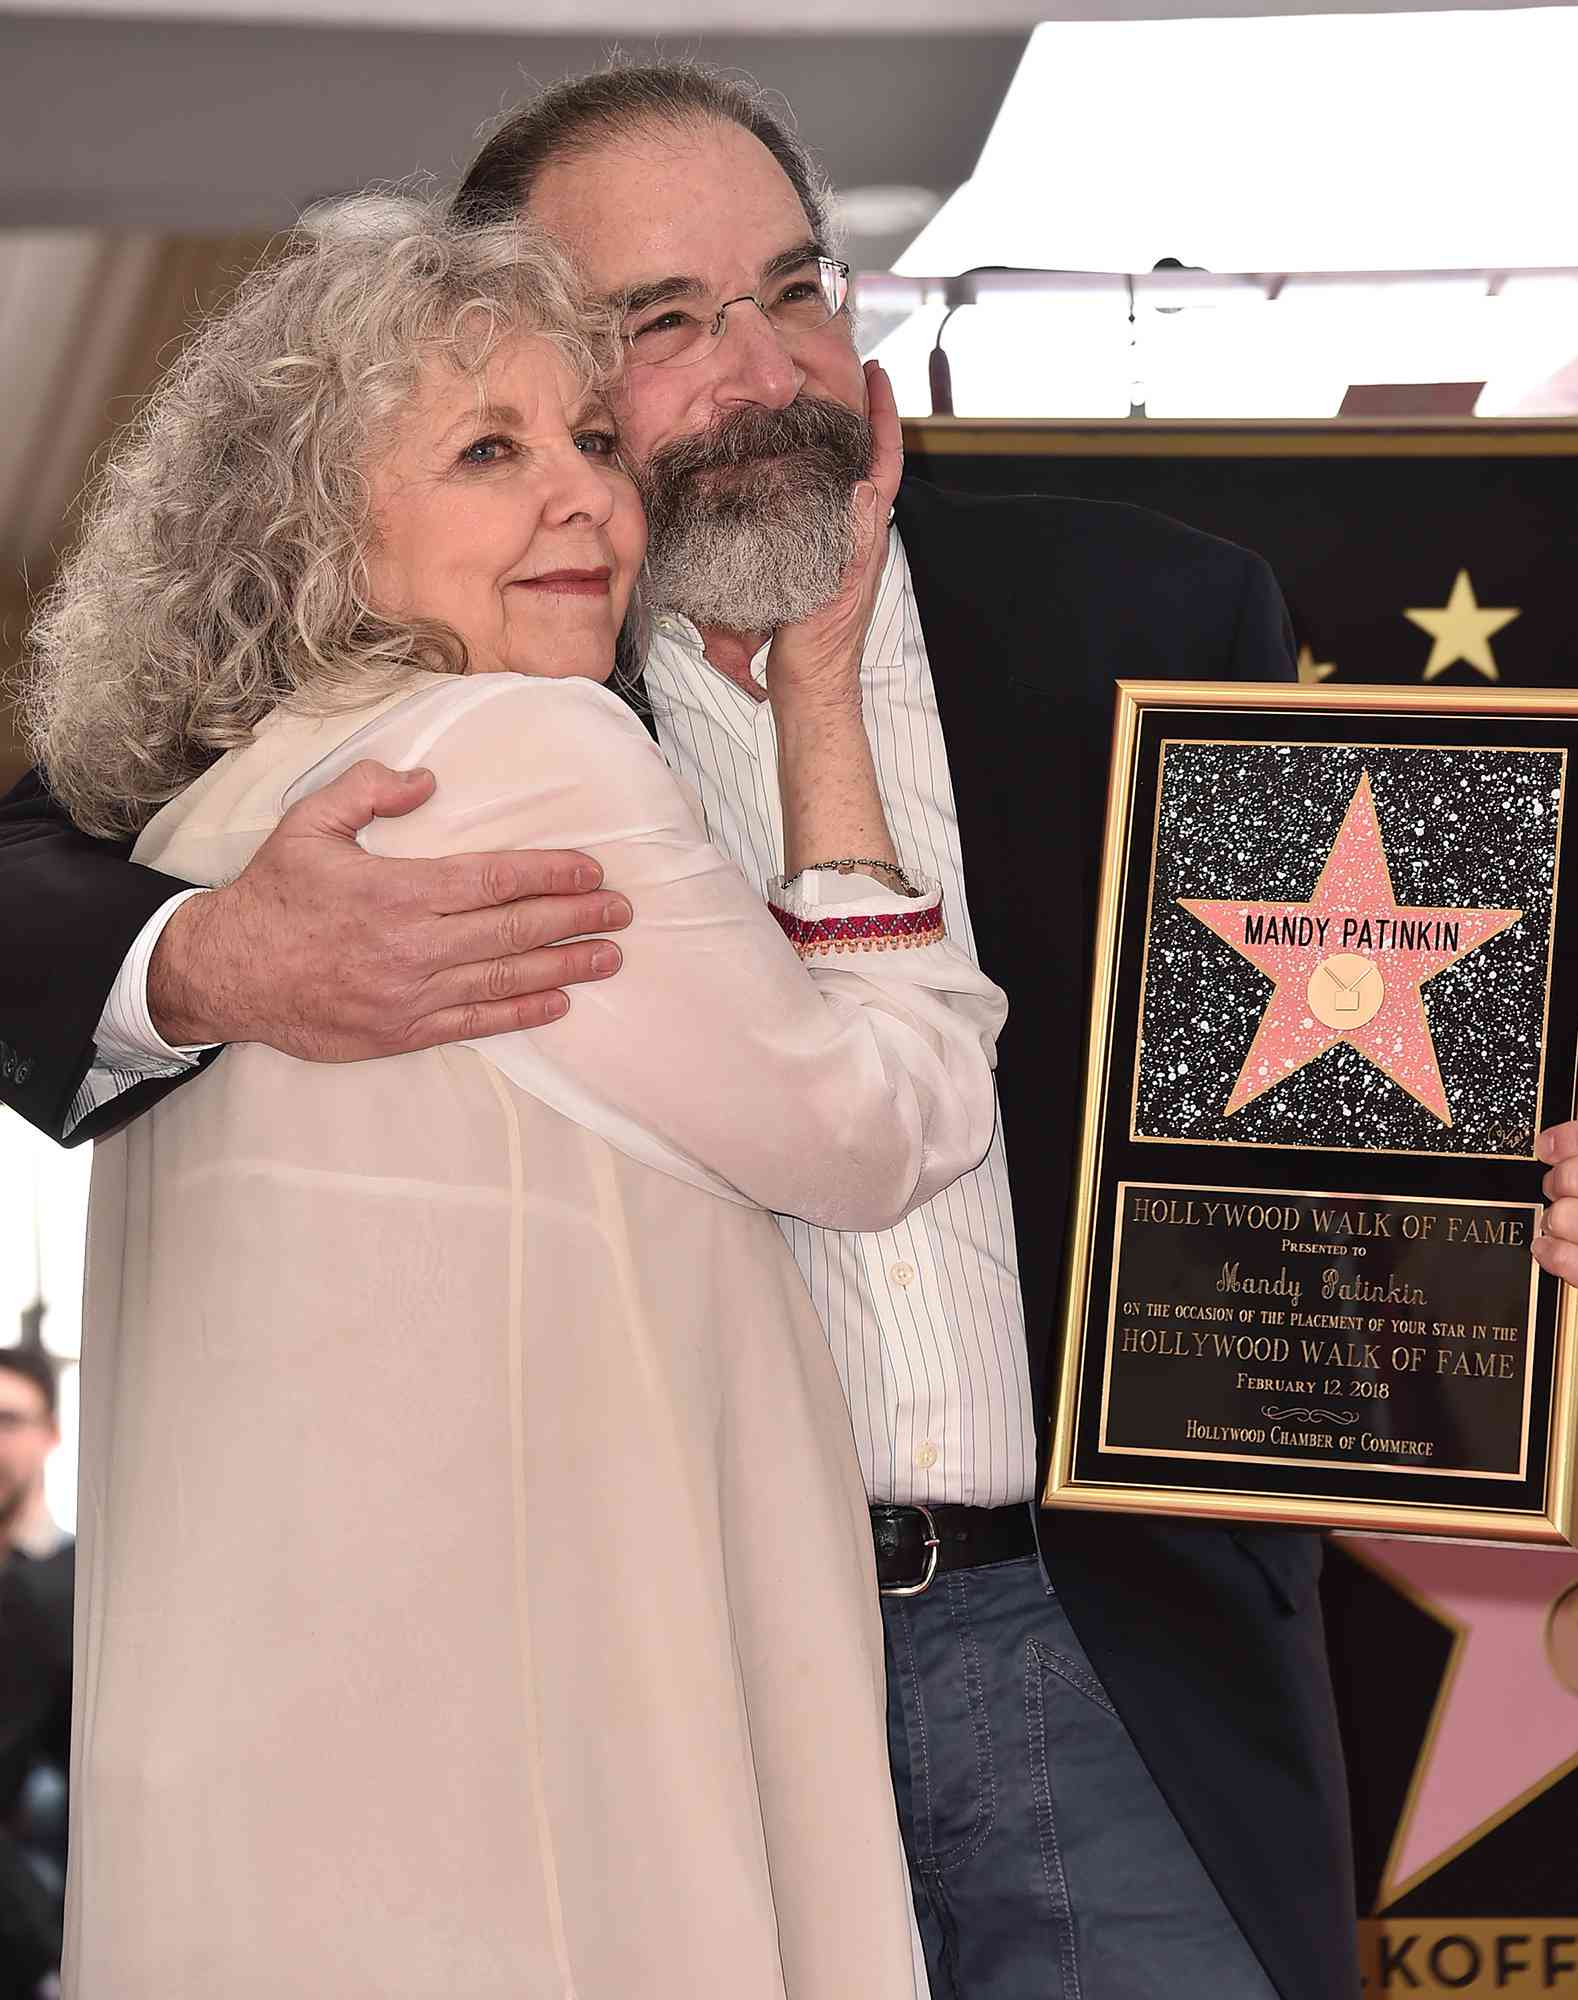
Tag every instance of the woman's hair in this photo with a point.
(222, 567)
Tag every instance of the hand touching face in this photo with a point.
(502, 510)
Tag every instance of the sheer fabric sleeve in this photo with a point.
(846, 1087)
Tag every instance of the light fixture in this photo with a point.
(1298, 143)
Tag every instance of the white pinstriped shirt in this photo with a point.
(925, 1321)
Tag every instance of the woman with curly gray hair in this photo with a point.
(440, 1634)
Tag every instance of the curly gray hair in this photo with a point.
(222, 569)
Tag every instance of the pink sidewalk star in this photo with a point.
(1504, 1727)
(1352, 950)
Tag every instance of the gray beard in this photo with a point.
(749, 523)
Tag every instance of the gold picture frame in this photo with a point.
(1087, 1468)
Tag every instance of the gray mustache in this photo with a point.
(809, 426)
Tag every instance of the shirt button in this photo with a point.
(901, 1274)
(927, 1455)
(24, 1070)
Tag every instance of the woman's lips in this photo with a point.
(569, 582)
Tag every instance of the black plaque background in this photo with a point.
(1149, 1393)
(1330, 1172)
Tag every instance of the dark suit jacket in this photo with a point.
(1208, 1640)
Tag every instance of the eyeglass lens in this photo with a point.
(795, 304)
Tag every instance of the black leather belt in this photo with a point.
(915, 1543)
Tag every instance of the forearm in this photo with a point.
(827, 782)
(197, 988)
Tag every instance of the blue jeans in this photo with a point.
(1045, 1863)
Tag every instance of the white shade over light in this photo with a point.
(1308, 143)
(1365, 144)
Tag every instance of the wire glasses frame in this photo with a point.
(668, 336)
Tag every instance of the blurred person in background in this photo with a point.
(37, 1561)
(29, 1432)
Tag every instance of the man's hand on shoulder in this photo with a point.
(334, 955)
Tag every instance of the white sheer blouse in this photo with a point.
(846, 1090)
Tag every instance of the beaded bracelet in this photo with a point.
(848, 866)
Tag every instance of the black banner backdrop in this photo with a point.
(1409, 552)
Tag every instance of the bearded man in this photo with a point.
(1113, 1742)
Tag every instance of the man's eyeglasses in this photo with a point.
(677, 334)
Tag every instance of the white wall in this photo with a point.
(43, 1215)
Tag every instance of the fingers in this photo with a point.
(1556, 1246)
(502, 1017)
(483, 881)
(887, 433)
(367, 791)
(370, 790)
(869, 520)
(512, 929)
(1558, 1143)
(496, 995)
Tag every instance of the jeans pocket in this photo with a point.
(1076, 1673)
(952, 1782)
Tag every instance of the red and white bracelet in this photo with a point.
(897, 930)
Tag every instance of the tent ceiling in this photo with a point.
(176, 125)
(649, 17)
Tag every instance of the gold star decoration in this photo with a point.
(1313, 671)
(1462, 629)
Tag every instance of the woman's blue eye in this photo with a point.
(597, 444)
(486, 451)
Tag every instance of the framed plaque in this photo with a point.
(1336, 998)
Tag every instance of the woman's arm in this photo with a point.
(845, 1090)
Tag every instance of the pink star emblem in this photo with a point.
(1348, 966)
(1505, 1725)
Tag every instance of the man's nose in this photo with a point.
(754, 364)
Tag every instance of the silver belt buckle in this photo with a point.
(931, 1544)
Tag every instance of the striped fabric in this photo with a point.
(128, 1048)
(925, 1321)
